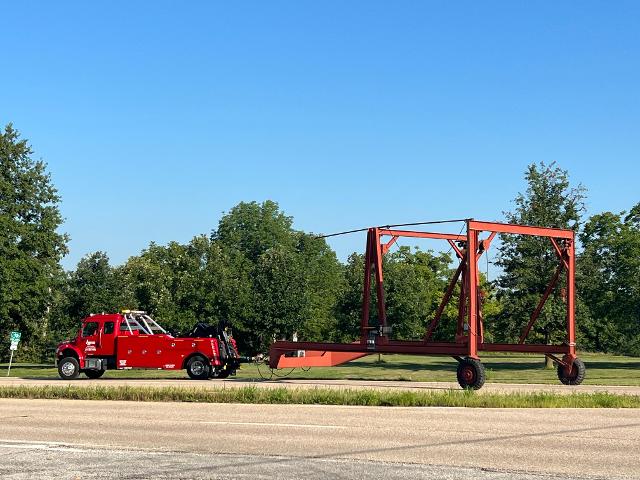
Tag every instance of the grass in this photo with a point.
(501, 368)
(324, 396)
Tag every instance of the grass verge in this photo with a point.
(325, 396)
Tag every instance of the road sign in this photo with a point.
(15, 339)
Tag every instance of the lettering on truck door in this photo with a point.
(89, 339)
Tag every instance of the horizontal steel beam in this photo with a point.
(523, 348)
(410, 347)
(434, 235)
(520, 229)
(315, 358)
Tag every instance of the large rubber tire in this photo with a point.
(198, 368)
(94, 373)
(68, 368)
(470, 373)
(576, 376)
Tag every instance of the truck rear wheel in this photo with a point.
(68, 368)
(198, 368)
(94, 373)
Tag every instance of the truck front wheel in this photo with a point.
(198, 368)
(68, 368)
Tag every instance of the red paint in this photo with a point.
(469, 338)
(122, 348)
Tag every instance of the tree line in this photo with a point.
(269, 280)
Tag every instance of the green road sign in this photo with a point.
(15, 338)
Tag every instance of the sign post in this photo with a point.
(15, 339)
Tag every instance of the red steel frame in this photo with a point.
(470, 332)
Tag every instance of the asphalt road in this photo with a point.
(97, 439)
(340, 384)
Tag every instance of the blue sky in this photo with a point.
(155, 117)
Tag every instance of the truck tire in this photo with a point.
(68, 368)
(94, 373)
(198, 368)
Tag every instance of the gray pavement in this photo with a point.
(57, 461)
(98, 439)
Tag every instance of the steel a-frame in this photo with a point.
(469, 247)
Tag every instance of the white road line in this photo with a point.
(42, 446)
(39, 442)
(291, 425)
(71, 447)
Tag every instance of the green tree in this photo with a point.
(324, 283)
(414, 284)
(178, 284)
(349, 302)
(253, 228)
(609, 268)
(92, 287)
(213, 284)
(203, 280)
(279, 289)
(153, 282)
(31, 246)
(288, 281)
(528, 263)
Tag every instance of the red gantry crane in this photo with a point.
(469, 247)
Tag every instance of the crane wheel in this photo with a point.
(576, 376)
(470, 373)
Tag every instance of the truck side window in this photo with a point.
(90, 328)
(108, 328)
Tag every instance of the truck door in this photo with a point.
(105, 346)
(89, 338)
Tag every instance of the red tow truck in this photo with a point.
(132, 339)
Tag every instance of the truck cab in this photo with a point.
(132, 339)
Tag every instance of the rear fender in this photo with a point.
(194, 354)
(207, 349)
